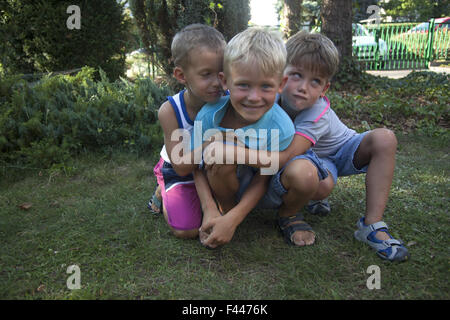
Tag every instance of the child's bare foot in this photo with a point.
(303, 238)
(296, 231)
(381, 235)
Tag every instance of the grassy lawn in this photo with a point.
(96, 218)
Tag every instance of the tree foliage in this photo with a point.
(294, 15)
(35, 37)
(159, 20)
(360, 9)
(416, 10)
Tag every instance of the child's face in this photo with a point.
(252, 93)
(302, 88)
(201, 76)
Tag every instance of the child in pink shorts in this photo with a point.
(197, 52)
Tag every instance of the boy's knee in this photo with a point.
(301, 175)
(384, 140)
(325, 187)
(185, 234)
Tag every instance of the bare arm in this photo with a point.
(184, 160)
(209, 206)
(217, 152)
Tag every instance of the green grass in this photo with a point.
(96, 218)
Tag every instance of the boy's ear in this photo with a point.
(178, 74)
(325, 89)
(282, 84)
(223, 80)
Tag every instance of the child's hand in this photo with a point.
(221, 231)
(207, 217)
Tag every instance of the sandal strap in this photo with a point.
(288, 228)
(392, 242)
(284, 221)
(378, 225)
(366, 230)
(156, 201)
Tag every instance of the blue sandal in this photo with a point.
(319, 207)
(392, 249)
(157, 202)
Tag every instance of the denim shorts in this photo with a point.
(341, 164)
(273, 198)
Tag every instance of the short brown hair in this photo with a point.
(314, 51)
(195, 36)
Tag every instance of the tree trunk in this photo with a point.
(292, 14)
(336, 18)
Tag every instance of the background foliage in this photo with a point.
(416, 10)
(158, 21)
(48, 122)
(35, 38)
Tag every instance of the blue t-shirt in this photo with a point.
(274, 131)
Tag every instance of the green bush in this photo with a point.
(36, 39)
(50, 121)
(418, 102)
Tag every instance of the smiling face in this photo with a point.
(302, 89)
(252, 93)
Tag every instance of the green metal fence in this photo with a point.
(396, 46)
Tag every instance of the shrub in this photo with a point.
(50, 121)
(35, 37)
(418, 102)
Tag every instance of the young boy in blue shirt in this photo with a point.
(254, 61)
(312, 60)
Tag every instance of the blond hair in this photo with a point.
(259, 46)
(195, 36)
(313, 51)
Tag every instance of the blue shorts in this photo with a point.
(273, 198)
(341, 164)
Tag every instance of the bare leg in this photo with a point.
(378, 150)
(301, 181)
(224, 185)
(209, 207)
(182, 234)
(325, 187)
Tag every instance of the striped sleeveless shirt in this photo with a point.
(184, 122)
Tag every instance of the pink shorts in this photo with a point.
(179, 196)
